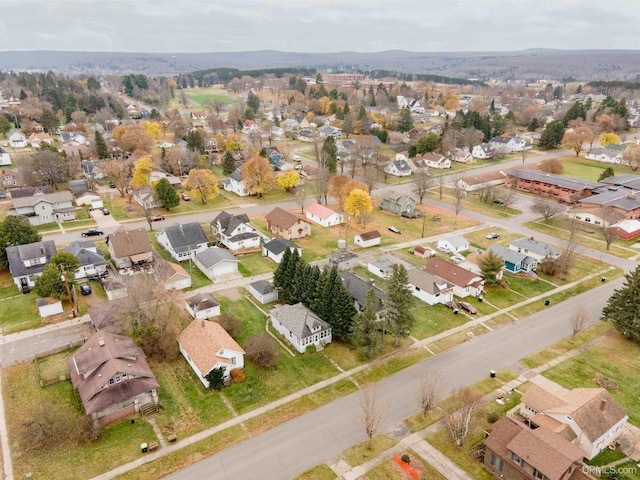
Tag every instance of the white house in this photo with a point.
(274, 249)
(533, 248)
(323, 215)
(263, 291)
(462, 156)
(300, 326)
(382, 266)
(235, 184)
(26, 262)
(506, 145)
(207, 346)
(435, 160)
(5, 158)
(329, 131)
(49, 306)
(398, 168)
(483, 151)
(611, 154)
(429, 288)
(183, 241)
(172, 276)
(457, 244)
(367, 239)
(215, 262)
(235, 232)
(88, 197)
(92, 263)
(202, 306)
(45, 208)
(17, 139)
(464, 282)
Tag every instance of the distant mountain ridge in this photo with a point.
(532, 64)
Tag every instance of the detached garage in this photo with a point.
(49, 306)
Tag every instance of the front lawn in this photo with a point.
(21, 313)
(362, 453)
(255, 264)
(431, 320)
(390, 470)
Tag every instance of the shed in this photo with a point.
(203, 306)
(263, 291)
(368, 239)
(48, 306)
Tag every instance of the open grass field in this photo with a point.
(202, 96)
(580, 167)
(616, 358)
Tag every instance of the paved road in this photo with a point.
(314, 438)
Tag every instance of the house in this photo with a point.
(146, 198)
(343, 260)
(329, 131)
(323, 215)
(73, 138)
(462, 156)
(76, 186)
(17, 139)
(235, 232)
(215, 262)
(399, 204)
(45, 208)
(429, 288)
(5, 158)
(90, 168)
(611, 154)
(207, 346)
(38, 139)
(183, 241)
(30, 191)
(514, 262)
(130, 247)
(113, 378)
(382, 266)
(367, 239)
(464, 282)
(287, 225)
(10, 178)
(235, 184)
(506, 145)
(263, 291)
(172, 276)
(513, 451)
(202, 306)
(274, 249)
(157, 175)
(475, 182)
(565, 189)
(92, 263)
(456, 244)
(483, 151)
(26, 262)
(398, 168)
(300, 326)
(538, 250)
(589, 418)
(49, 306)
(88, 197)
(359, 288)
(435, 160)
(290, 125)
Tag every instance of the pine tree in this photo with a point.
(279, 276)
(534, 124)
(330, 153)
(327, 297)
(405, 122)
(490, 266)
(166, 194)
(298, 283)
(318, 295)
(311, 280)
(290, 275)
(102, 151)
(343, 311)
(398, 303)
(228, 163)
(552, 135)
(365, 329)
(623, 307)
(492, 107)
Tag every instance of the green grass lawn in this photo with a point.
(119, 443)
(616, 358)
(416, 422)
(54, 365)
(579, 167)
(21, 313)
(198, 279)
(389, 470)
(255, 264)
(362, 452)
(320, 472)
(431, 320)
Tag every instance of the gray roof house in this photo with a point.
(514, 261)
(300, 326)
(534, 248)
(235, 232)
(398, 203)
(263, 291)
(26, 262)
(45, 208)
(398, 168)
(430, 288)
(214, 262)
(274, 249)
(383, 265)
(455, 244)
(359, 288)
(235, 184)
(92, 262)
(183, 241)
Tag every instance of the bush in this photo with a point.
(231, 324)
(238, 376)
(552, 165)
(406, 458)
(263, 350)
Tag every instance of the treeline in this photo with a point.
(606, 87)
(213, 76)
(422, 77)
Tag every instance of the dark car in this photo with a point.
(185, 197)
(468, 307)
(157, 218)
(105, 211)
(92, 233)
(499, 201)
(112, 185)
(85, 289)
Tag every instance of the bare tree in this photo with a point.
(459, 192)
(508, 197)
(567, 256)
(609, 217)
(546, 208)
(442, 180)
(464, 402)
(120, 173)
(429, 390)
(300, 198)
(631, 157)
(578, 320)
(372, 412)
(422, 181)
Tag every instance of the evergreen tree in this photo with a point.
(398, 303)
(279, 276)
(311, 279)
(228, 163)
(216, 378)
(195, 141)
(318, 294)
(290, 276)
(534, 124)
(15, 230)
(492, 107)
(490, 266)
(253, 101)
(623, 307)
(346, 110)
(298, 283)
(166, 194)
(102, 151)
(365, 329)
(327, 297)
(428, 143)
(343, 311)
(577, 110)
(405, 122)
(330, 153)
(552, 135)
(606, 173)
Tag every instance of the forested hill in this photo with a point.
(564, 65)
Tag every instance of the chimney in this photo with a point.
(42, 249)
(603, 405)
(101, 342)
(372, 282)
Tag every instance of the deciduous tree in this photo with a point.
(202, 184)
(360, 206)
(623, 307)
(263, 350)
(578, 320)
(577, 138)
(422, 181)
(606, 139)
(141, 172)
(258, 176)
(119, 171)
(15, 230)
(546, 208)
(428, 391)
(372, 411)
(288, 180)
(428, 143)
(631, 157)
(46, 167)
(51, 282)
(463, 404)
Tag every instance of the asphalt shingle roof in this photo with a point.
(185, 237)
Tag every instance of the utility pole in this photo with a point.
(66, 284)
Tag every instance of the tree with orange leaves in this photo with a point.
(258, 176)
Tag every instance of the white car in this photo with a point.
(457, 259)
(297, 158)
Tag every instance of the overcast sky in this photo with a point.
(318, 25)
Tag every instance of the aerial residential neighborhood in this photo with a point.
(388, 269)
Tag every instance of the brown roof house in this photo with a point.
(130, 247)
(284, 224)
(464, 282)
(514, 451)
(113, 378)
(206, 346)
(587, 417)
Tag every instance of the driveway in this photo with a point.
(104, 221)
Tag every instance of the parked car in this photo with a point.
(185, 197)
(297, 158)
(443, 249)
(105, 211)
(92, 233)
(85, 289)
(499, 201)
(468, 307)
(157, 218)
(394, 230)
(429, 252)
(2, 196)
(457, 259)
(492, 236)
(112, 185)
